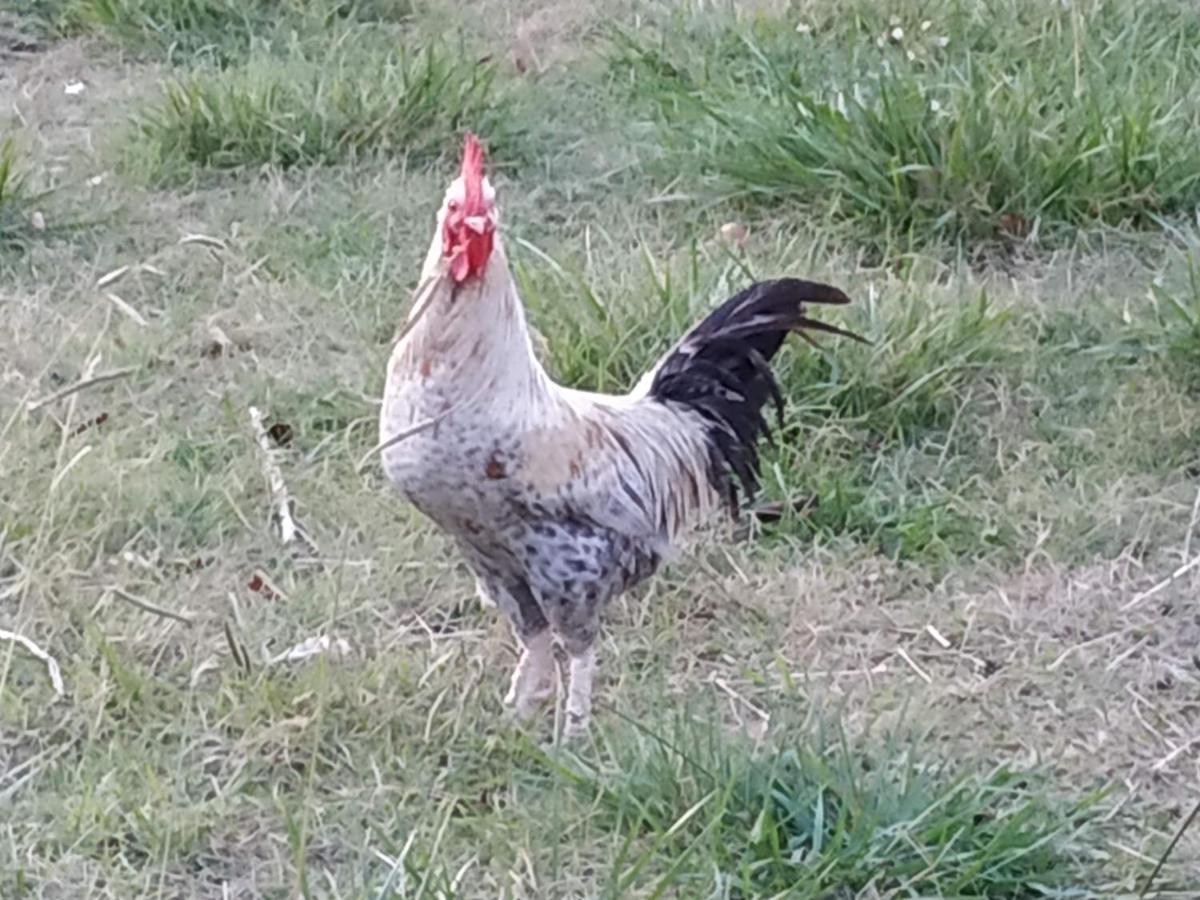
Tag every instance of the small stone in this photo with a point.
(735, 233)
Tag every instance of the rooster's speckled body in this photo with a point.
(562, 499)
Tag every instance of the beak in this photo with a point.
(477, 224)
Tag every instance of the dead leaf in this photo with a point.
(261, 584)
(314, 646)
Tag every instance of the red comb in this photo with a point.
(472, 175)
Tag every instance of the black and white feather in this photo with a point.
(721, 369)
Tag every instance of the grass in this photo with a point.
(1177, 322)
(926, 126)
(12, 193)
(915, 673)
(818, 819)
(219, 32)
(304, 110)
(22, 215)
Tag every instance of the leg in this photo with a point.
(578, 624)
(533, 679)
(579, 691)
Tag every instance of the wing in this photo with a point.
(631, 464)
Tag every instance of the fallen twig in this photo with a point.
(289, 530)
(22, 774)
(912, 664)
(937, 636)
(128, 311)
(1187, 823)
(1182, 748)
(82, 384)
(147, 606)
(1062, 657)
(1166, 582)
(204, 239)
(108, 278)
(35, 650)
(762, 715)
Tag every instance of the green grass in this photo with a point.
(13, 203)
(341, 104)
(217, 31)
(1032, 119)
(22, 209)
(941, 644)
(701, 812)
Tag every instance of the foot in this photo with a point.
(579, 694)
(533, 680)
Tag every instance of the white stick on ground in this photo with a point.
(1178, 573)
(86, 382)
(128, 311)
(289, 531)
(1182, 570)
(35, 650)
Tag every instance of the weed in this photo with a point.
(221, 31)
(702, 811)
(21, 215)
(14, 201)
(1027, 123)
(1177, 311)
(303, 110)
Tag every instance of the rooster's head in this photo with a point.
(469, 217)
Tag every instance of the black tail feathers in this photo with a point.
(721, 369)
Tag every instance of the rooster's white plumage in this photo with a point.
(561, 499)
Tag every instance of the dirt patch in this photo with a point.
(61, 98)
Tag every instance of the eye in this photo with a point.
(452, 206)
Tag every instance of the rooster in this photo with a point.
(560, 499)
